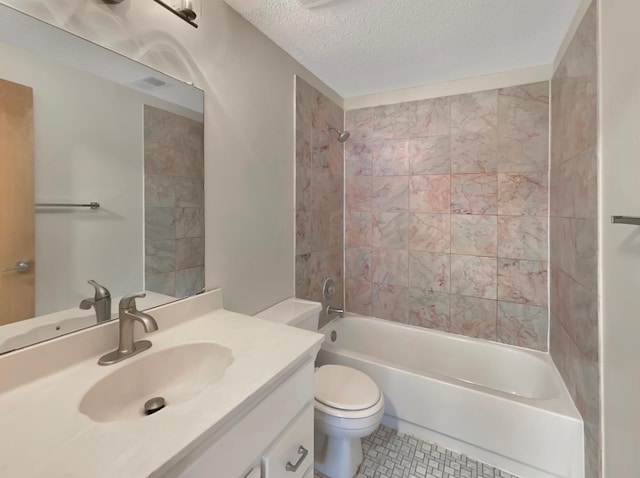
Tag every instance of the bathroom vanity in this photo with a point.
(238, 391)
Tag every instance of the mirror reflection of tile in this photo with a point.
(174, 203)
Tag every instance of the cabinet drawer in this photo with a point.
(293, 447)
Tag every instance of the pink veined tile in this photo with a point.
(320, 140)
(390, 266)
(319, 271)
(190, 252)
(429, 309)
(523, 325)
(522, 281)
(358, 263)
(358, 193)
(574, 188)
(474, 112)
(336, 228)
(474, 194)
(401, 116)
(390, 157)
(586, 250)
(159, 190)
(473, 317)
(474, 152)
(430, 155)
(360, 124)
(586, 307)
(575, 86)
(390, 230)
(474, 235)
(303, 232)
(382, 121)
(303, 275)
(561, 300)
(358, 296)
(430, 117)
(326, 191)
(320, 222)
(523, 109)
(522, 237)
(522, 194)
(429, 232)
(358, 158)
(523, 118)
(390, 193)
(359, 228)
(429, 271)
(336, 265)
(430, 193)
(303, 188)
(390, 302)
(561, 238)
(474, 276)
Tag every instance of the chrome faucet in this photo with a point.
(128, 315)
(101, 302)
(334, 312)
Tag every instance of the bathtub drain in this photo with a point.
(334, 336)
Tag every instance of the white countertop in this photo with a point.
(44, 327)
(43, 433)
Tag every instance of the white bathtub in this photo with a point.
(502, 405)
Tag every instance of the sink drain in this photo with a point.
(154, 405)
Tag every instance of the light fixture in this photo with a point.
(183, 9)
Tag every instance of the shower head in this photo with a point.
(342, 135)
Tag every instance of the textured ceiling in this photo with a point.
(359, 47)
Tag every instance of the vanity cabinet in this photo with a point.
(274, 428)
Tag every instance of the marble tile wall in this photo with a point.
(174, 203)
(573, 229)
(446, 213)
(319, 204)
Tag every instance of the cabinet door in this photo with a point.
(291, 456)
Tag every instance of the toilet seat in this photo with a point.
(346, 392)
(353, 414)
(344, 388)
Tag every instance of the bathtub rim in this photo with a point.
(560, 404)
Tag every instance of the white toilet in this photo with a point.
(348, 404)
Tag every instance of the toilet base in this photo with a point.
(337, 457)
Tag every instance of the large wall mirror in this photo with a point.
(101, 179)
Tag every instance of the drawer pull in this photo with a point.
(301, 451)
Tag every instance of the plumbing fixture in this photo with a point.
(128, 315)
(342, 135)
(335, 311)
(101, 302)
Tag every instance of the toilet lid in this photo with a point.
(344, 388)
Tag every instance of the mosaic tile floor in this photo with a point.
(389, 454)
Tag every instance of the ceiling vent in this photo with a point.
(148, 84)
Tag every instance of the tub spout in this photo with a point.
(335, 311)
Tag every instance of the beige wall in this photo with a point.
(620, 244)
(249, 129)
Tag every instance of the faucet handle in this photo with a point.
(101, 291)
(129, 301)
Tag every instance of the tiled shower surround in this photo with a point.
(174, 203)
(446, 213)
(319, 195)
(573, 234)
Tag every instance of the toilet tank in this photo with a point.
(300, 313)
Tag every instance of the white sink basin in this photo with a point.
(177, 374)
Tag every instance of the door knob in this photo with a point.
(21, 266)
